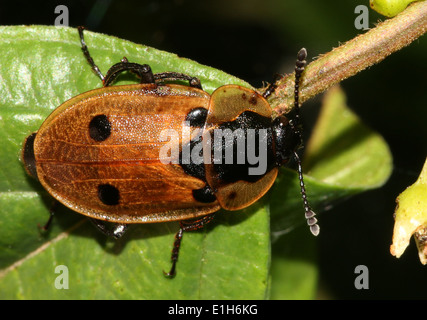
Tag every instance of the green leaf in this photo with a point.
(343, 151)
(42, 67)
(294, 268)
(411, 218)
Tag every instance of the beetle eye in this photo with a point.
(99, 128)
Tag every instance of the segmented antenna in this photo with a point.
(299, 68)
(309, 213)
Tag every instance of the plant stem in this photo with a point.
(352, 57)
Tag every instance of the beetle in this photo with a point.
(150, 152)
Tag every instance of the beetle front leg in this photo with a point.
(190, 225)
(117, 230)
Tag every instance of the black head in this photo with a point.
(287, 139)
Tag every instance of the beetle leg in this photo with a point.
(191, 225)
(52, 210)
(87, 54)
(175, 253)
(174, 76)
(28, 156)
(117, 231)
(141, 70)
(186, 225)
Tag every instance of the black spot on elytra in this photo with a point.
(108, 194)
(99, 128)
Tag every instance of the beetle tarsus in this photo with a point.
(176, 76)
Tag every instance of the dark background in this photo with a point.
(255, 39)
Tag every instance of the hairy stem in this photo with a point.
(352, 57)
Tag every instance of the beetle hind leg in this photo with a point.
(87, 54)
(143, 71)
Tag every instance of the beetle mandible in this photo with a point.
(102, 153)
